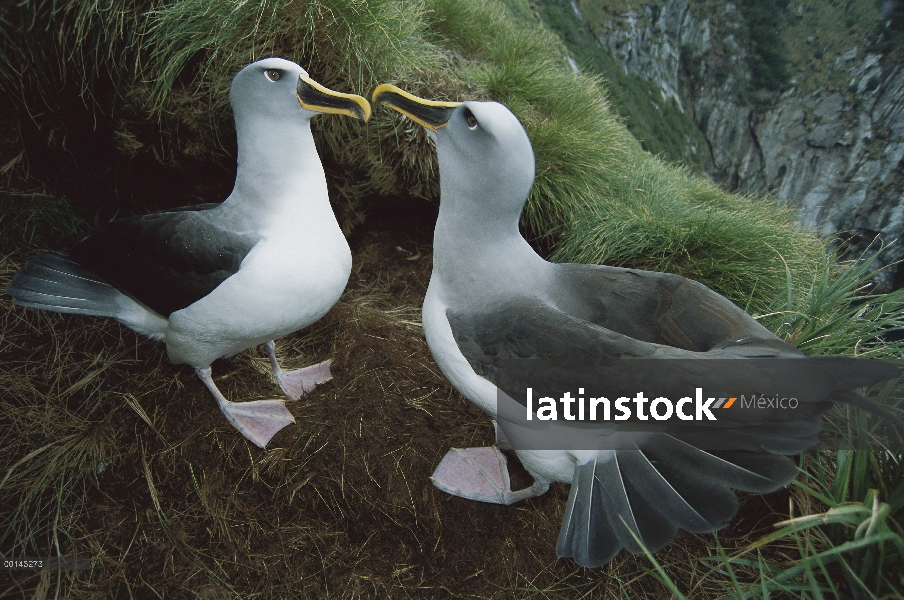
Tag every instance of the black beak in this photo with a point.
(431, 114)
(313, 96)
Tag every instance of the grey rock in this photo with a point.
(826, 136)
(836, 157)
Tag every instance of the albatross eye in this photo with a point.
(272, 74)
(472, 122)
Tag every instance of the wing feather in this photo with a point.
(669, 479)
(653, 492)
(166, 260)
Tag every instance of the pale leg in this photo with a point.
(297, 383)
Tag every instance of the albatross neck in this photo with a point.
(477, 247)
(279, 171)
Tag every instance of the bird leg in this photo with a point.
(258, 420)
(481, 474)
(501, 441)
(299, 382)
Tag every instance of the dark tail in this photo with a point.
(54, 282)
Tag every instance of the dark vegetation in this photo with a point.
(889, 35)
(769, 58)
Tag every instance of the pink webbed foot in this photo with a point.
(480, 474)
(296, 384)
(258, 420)
(299, 382)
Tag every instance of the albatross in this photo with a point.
(502, 322)
(212, 280)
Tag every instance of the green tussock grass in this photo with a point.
(835, 313)
(661, 220)
(596, 189)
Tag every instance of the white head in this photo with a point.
(279, 88)
(486, 162)
(273, 101)
(267, 87)
(485, 157)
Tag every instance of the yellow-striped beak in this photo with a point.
(313, 96)
(431, 114)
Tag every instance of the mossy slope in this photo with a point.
(598, 195)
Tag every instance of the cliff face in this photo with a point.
(836, 154)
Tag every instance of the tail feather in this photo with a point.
(855, 399)
(648, 494)
(587, 533)
(787, 438)
(53, 282)
(61, 304)
(850, 372)
(56, 283)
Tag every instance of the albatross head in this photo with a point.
(273, 101)
(275, 87)
(485, 158)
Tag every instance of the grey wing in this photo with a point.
(529, 343)
(660, 308)
(665, 479)
(166, 260)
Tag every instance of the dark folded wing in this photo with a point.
(166, 260)
(528, 343)
(661, 308)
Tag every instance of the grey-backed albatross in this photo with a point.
(212, 280)
(493, 304)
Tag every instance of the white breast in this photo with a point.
(289, 280)
(447, 355)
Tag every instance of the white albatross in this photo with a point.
(499, 319)
(215, 279)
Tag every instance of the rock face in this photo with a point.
(835, 155)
